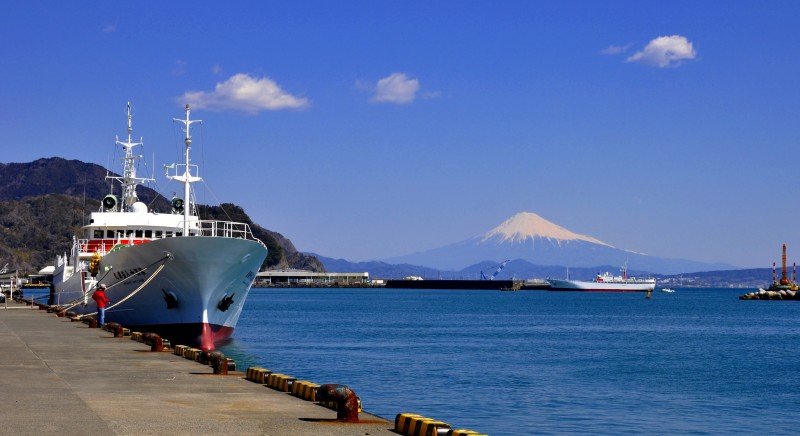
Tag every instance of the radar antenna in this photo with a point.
(187, 178)
(128, 180)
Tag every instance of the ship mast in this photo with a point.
(129, 181)
(187, 178)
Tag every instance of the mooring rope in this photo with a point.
(158, 270)
(79, 300)
(163, 261)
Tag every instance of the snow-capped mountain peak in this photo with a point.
(528, 225)
(529, 237)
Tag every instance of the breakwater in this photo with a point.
(455, 284)
(762, 294)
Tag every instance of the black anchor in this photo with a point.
(226, 302)
(169, 297)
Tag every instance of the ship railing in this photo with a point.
(92, 246)
(221, 229)
(226, 229)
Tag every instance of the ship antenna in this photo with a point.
(129, 180)
(186, 177)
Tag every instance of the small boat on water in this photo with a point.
(606, 282)
(666, 290)
(169, 273)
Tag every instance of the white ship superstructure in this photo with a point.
(170, 273)
(606, 282)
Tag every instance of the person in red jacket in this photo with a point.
(100, 298)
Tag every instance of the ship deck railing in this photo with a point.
(226, 229)
(218, 229)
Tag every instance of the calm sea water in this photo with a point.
(697, 361)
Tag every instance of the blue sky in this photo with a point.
(369, 129)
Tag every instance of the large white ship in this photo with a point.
(169, 273)
(606, 282)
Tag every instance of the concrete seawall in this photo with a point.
(63, 377)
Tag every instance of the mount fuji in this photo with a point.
(529, 237)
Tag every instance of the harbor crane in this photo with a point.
(499, 268)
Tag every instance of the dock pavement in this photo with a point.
(59, 376)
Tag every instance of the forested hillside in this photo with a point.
(45, 202)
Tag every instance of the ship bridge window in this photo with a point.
(129, 233)
(178, 233)
(109, 233)
(148, 233)
(98, 234)
(159, 233)
(168, 234)
(139, 233)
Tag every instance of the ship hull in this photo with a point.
(189, 290)
(576, 285)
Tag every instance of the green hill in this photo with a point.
(45, 202)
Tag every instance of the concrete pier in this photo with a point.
(58, 376)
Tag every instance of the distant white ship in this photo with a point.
(606, 282)
(169, 273)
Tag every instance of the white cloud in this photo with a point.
(397, 88)
(244, 93)
(665, 51)
(615, 49)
